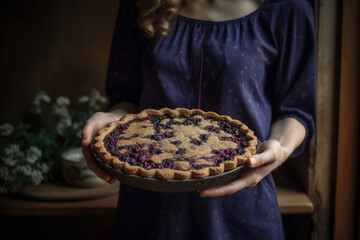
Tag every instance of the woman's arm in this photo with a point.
(286, 135)
(95, 122)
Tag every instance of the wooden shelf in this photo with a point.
(294, 201)
(291, 202)
(18, 207)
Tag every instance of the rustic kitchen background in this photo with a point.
(62, 48)
(59, 46)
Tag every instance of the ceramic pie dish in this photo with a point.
(174, 149)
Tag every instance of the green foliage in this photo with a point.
(26, 149)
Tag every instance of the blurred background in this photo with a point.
(62, 48)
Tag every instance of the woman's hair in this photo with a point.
(155, 16)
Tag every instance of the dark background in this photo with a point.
(61, 47)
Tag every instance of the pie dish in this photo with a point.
(174, 144)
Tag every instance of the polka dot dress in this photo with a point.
(258, 69)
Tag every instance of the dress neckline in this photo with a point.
(202, 21)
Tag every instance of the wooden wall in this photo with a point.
(61, 47)
(347, 175)
(323, 149)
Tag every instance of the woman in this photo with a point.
(252, 61)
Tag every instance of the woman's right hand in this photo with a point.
(95, 122)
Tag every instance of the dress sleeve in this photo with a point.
(294, 76)
(123, 81)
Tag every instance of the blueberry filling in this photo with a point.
(181, 151)
(154, 150)
(195, 142)
(240, 139)
(159, 136)
(228, 128)
(211, 129)
(155, 119)
(111, 139)
(204, 137)
(192, 121)
(176, 143)
(141, 154)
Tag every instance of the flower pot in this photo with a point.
(75, 170)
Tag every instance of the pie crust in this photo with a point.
(175, 143)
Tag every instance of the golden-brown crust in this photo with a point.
(167, 174)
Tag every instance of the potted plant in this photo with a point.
(30, 149)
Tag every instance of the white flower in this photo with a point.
(33, 154)
(84, 99)
(12, 155)
(95, 94)
(41, 96)
(96, 100)
(61, 111)
(6, 129)
(24, 170)
(102, 100)
(77, 127)
(9, 161)
(62, 101)
(36, 177)
(60, 129)
(35, 151)
(67, 121)
(64, 121)
(12, 149)
(62, 125)
(45, 97)
(5, 174)
(31, 159)
(44, 168)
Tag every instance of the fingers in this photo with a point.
(268, 153)
(222, 190)
(96, 121)
(248, 179)
(90, 126)
(261, 159)
(112, 181)
(95, 168)
(259, 166)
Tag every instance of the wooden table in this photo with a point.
(291, 201)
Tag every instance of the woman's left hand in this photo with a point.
(286, 135)
(271, 155)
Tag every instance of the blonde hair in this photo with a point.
(155, 16)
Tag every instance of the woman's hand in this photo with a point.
(270, 156)
(95, 122)
(286, 135)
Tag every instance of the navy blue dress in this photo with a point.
(258, 69)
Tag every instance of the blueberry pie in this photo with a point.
(175, 143)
